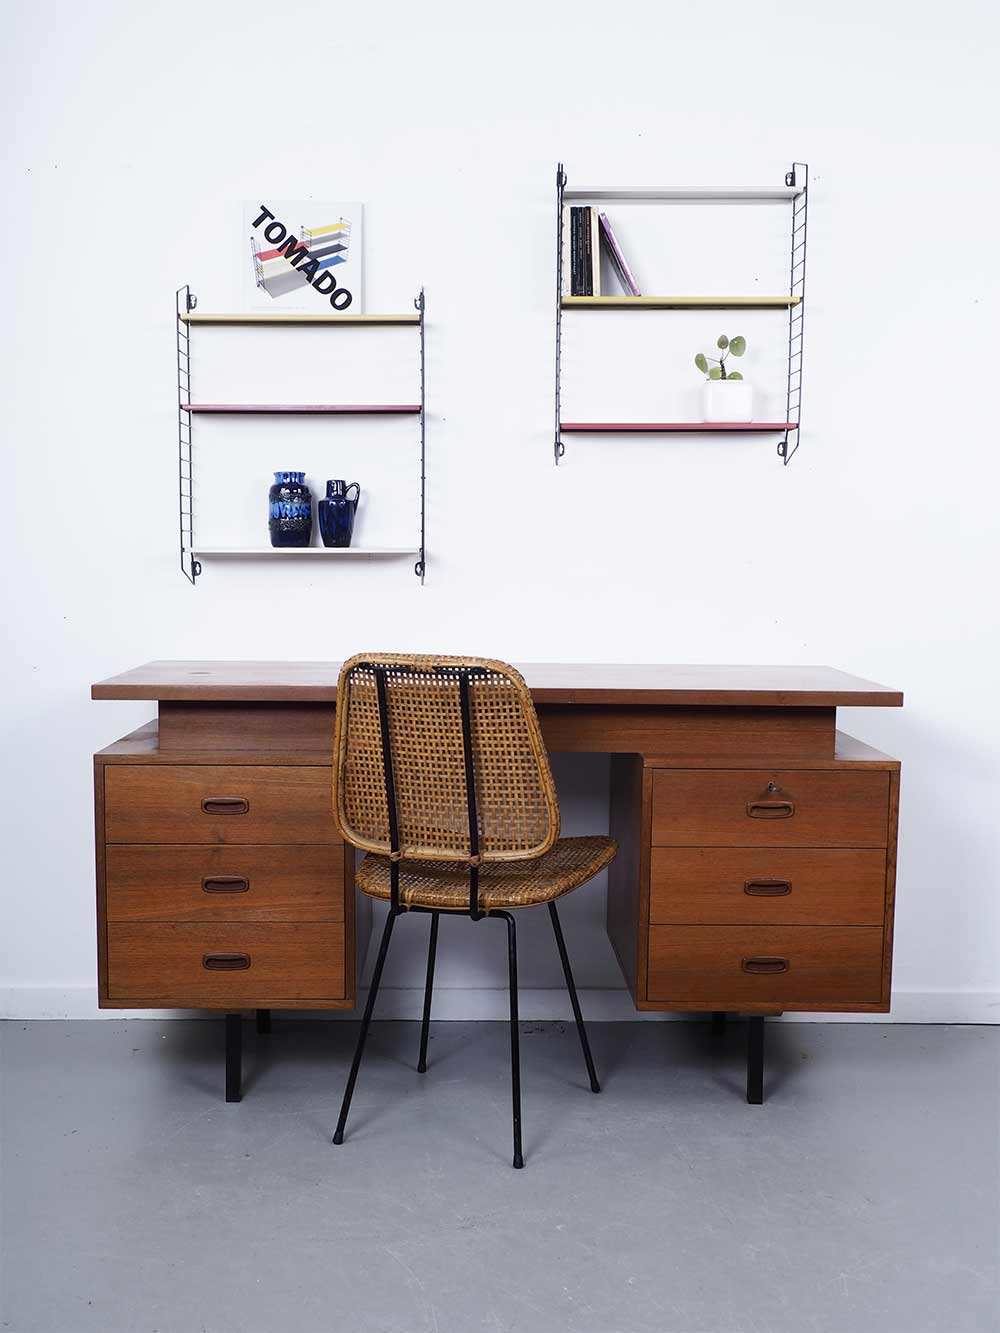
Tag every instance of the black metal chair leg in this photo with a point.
(515, 1050)
(428, 991)
(263, 1022)
(718, 1022)
(234, 1057)
(755, 1062)
(365, 1022)
(571, 987)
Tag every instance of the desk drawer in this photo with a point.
(729, 967)
(766, 886)
(768, 808)
(209, 803)
(224, 966)
(225, 883)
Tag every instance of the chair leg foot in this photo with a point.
(428, 991)
(365, 1024)
(263, 1022)
(755, 1062)
(718, 1022)
(574, 1001)
(234, 1057)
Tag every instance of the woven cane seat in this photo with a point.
(444, 885)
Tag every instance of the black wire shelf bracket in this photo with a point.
(560, 448)
(185, 303)
(420, 567)
(795, 192)
(798, 176)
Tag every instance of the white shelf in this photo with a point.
(240, 552)
(736, 194)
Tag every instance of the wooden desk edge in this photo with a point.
(227, 682)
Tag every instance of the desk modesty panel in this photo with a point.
(757, 863)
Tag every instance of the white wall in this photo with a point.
(140, 129)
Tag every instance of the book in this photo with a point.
(303, 256)
(576, 252)
(617, 258)
(587, 284)
(594, 232)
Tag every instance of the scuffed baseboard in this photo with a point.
(482, 1004)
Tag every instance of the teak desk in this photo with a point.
(758, 843)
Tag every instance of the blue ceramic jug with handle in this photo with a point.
(336, 512)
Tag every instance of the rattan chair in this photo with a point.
(440, 775)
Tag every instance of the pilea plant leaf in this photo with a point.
(738, 346)
(734, 375)
(701, 363)
(723, 342)
(715, 373)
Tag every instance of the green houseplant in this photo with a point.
(726, 396)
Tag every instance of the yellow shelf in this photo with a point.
(679, 302)
(263, 317)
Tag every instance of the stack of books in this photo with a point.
(584, 228)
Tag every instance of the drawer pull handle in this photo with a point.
(225, 962)
(225, 805)
(764, 967)
(226, 884)
(766, 807)
(767, 888)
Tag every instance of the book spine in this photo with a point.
(588, 254)
(618, 259)
(576, 252)
(593, 217)
(565, 259)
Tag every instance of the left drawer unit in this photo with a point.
(221, 886)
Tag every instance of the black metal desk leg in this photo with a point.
(428, 991)
(263, 1022)
(755, 1062)
(234, 1057)
(718, 1022)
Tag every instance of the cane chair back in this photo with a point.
(439, 719)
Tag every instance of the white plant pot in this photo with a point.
(727, 400)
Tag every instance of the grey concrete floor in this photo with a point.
(862, 1196)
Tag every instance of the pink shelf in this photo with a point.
(678, 426)
(313, 408)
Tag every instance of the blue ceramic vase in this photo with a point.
(336, 513)
(290, 520)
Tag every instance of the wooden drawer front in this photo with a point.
(734, 808)
(780, 886)
(160, 803)
(224, 966)
(225, 883)
(715, 967)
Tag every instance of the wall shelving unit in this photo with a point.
(191, 551)
(795, 193)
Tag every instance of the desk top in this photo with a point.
(550, 683)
